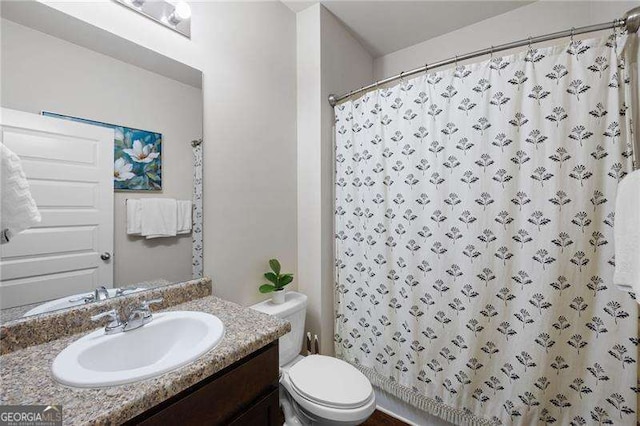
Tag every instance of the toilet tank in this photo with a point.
(293, 310)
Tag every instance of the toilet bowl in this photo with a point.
(317, 389)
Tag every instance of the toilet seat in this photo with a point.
(330, 382)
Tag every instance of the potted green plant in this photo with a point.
(278, 282)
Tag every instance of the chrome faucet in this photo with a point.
(138, 317)
(100, 293)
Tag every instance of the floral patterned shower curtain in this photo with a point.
(474, 239)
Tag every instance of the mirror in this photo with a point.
(107, 134)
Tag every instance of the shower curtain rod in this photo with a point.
(630, 21)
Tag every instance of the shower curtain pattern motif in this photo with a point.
(196, 235)
(474, 239)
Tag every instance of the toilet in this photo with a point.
(317, 389)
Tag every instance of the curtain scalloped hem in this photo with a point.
(421, 402)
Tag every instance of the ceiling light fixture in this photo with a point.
(173, 14)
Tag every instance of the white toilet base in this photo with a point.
(288, 408)
(294, 415)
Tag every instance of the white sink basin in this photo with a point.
(170, 341)
(73, 300)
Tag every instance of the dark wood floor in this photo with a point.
(378, 418)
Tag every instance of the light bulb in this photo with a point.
(181, 12)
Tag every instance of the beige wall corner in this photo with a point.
(330, 60)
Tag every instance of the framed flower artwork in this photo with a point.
(137, 155)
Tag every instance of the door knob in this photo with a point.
(105, 256)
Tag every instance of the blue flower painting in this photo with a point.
(137, 156)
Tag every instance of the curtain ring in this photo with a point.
(426, 69)
(491, 54)
(573, 30)
(402, 77)
(530, 48)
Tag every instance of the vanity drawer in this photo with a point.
(227, 395)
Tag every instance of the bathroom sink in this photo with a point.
(73, 300)
(171, 340)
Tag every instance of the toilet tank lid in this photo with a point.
(294, 302)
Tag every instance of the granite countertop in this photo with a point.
(26, 378)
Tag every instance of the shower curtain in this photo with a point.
(474, 239)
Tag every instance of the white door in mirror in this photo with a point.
(69, 167)
(170, 341)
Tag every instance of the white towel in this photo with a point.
(627, 234)
(159, 217)
(184, 216)
(18, 208)
(134, 217)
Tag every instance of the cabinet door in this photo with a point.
(265, 412)
(223, 397)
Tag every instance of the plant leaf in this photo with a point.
(271, 277)
(275, 266)
(284, 280)
(266, 288)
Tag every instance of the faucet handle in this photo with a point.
(121, 291)
(114, 326)
(113, 314)
(145, 303)
(86, 298)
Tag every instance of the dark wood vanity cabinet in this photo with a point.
(245, 393)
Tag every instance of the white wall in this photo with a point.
(330, 60)
(537, 18)
(250, 143)
(40, 72)
(246, 51)
(309, 163)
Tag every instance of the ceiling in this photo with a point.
(384, 26)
